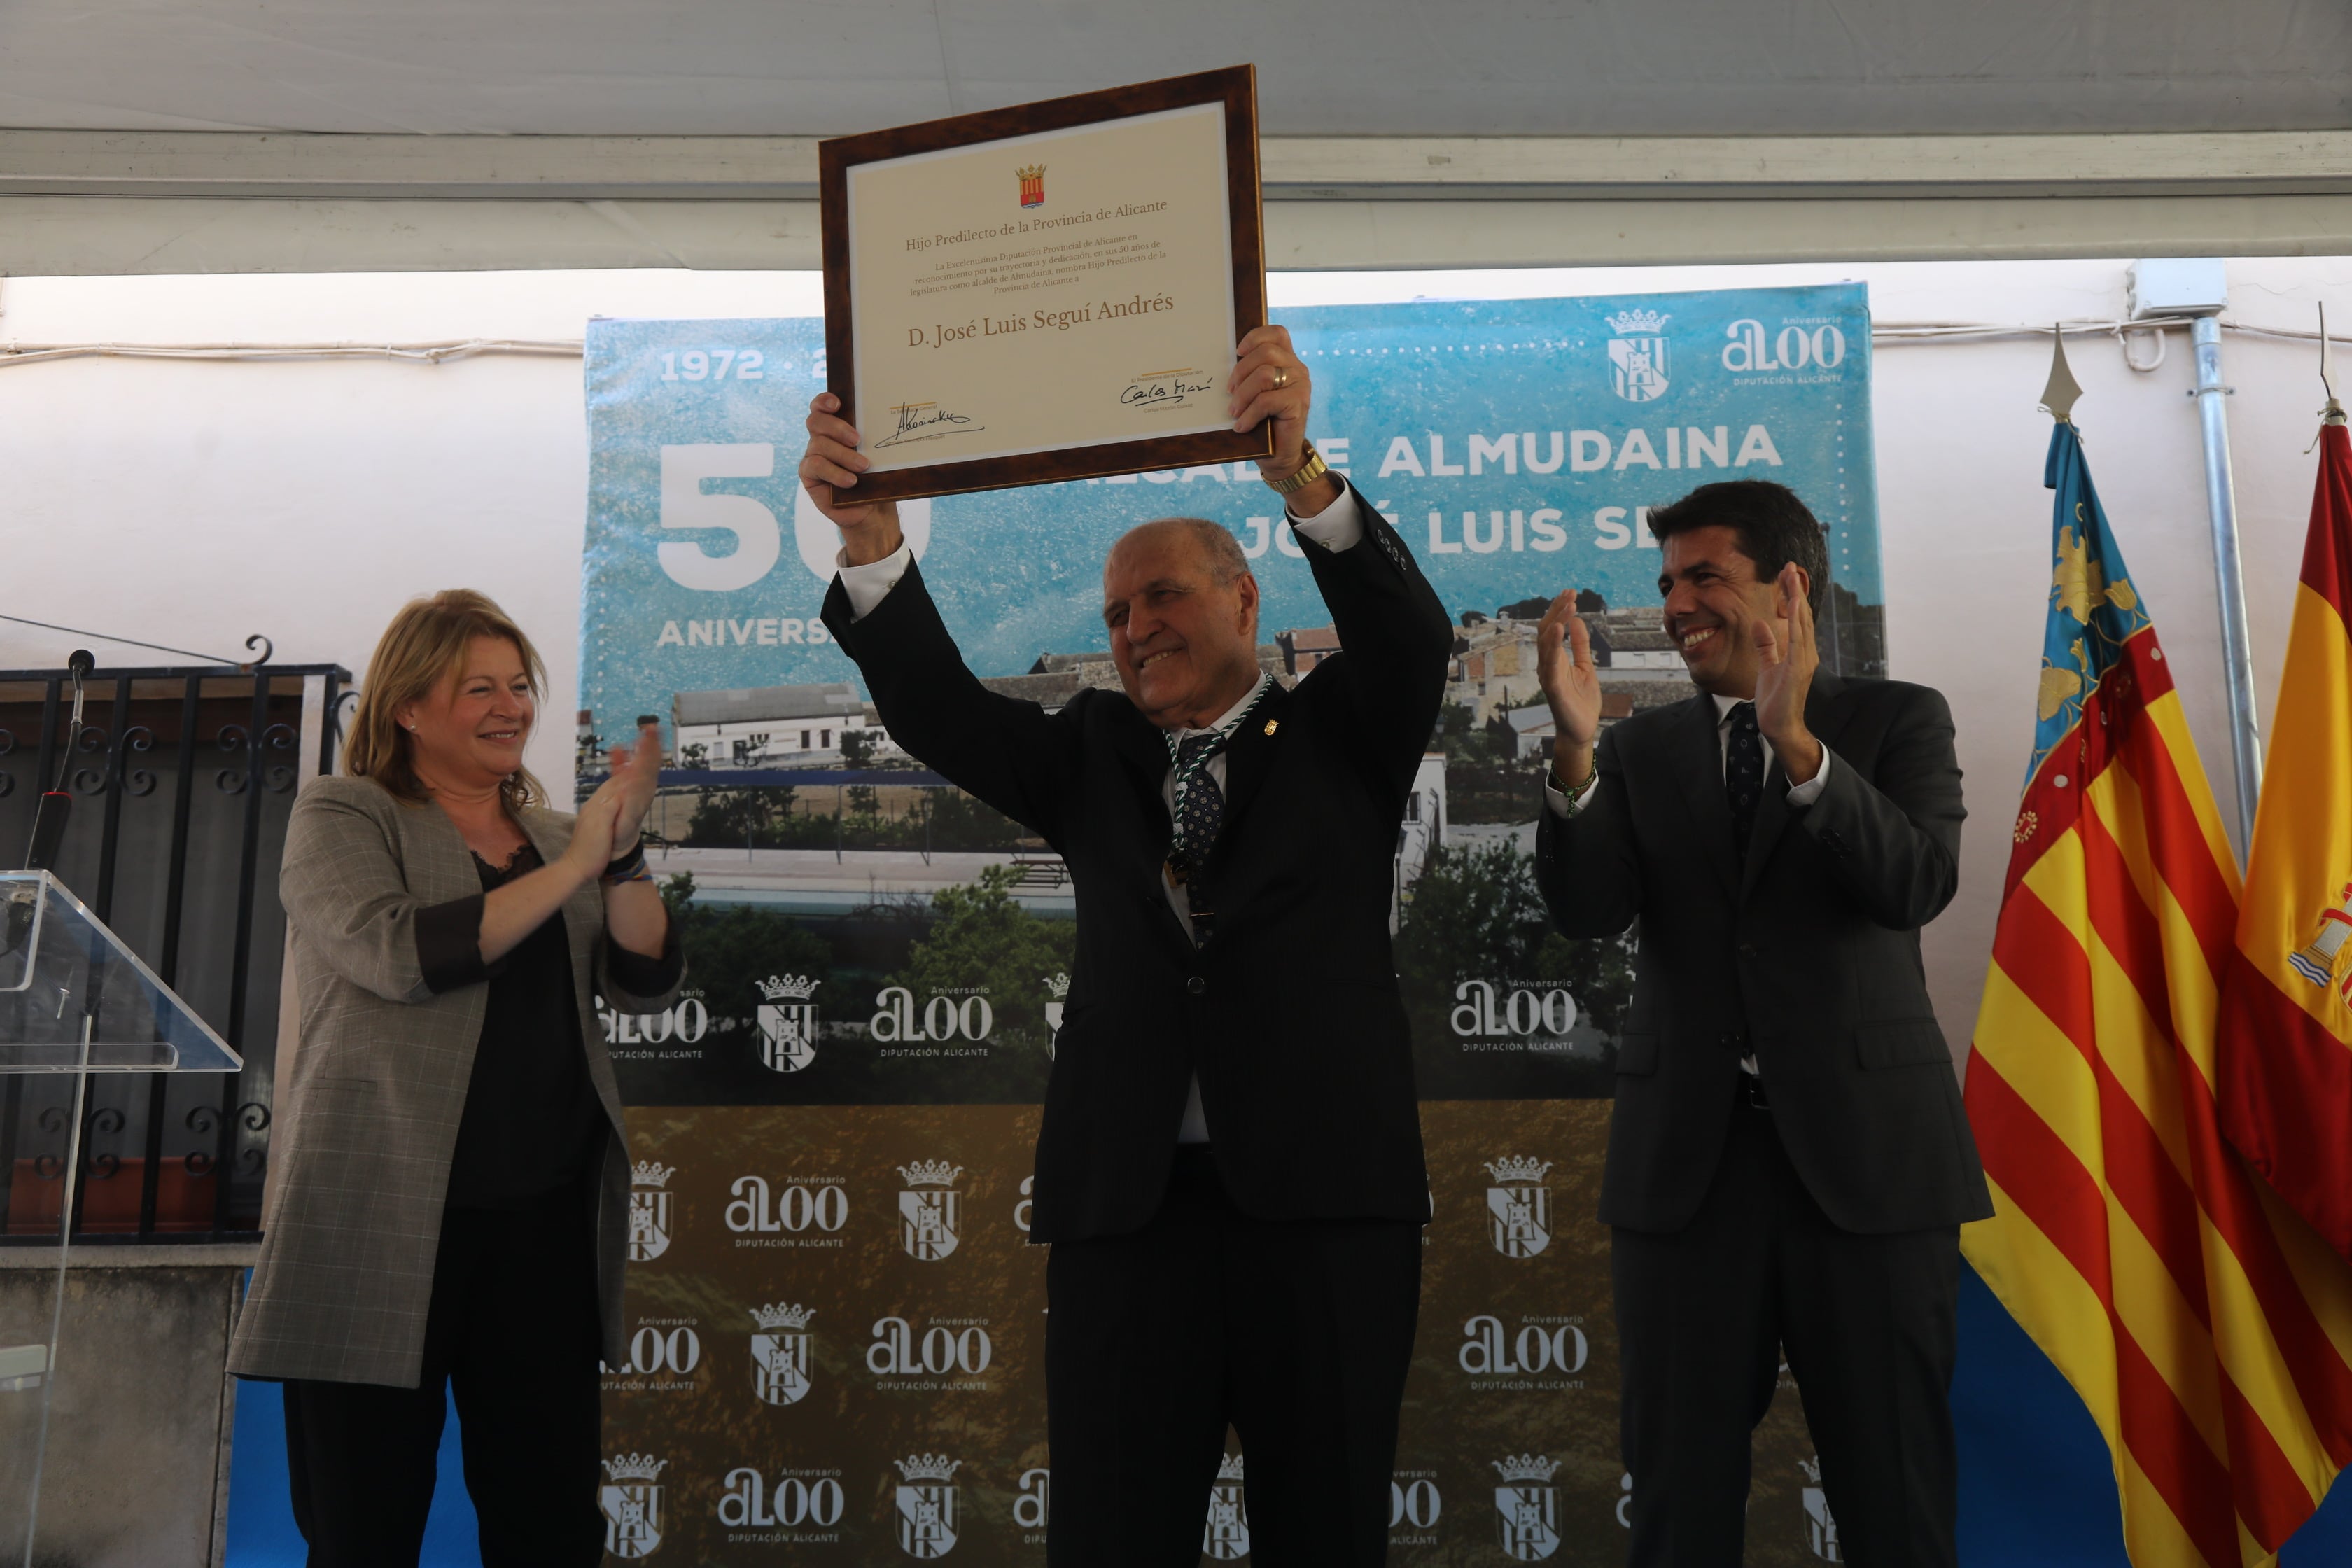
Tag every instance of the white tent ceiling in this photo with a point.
(1329, 67)
(483, 132)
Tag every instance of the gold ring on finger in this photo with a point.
(1281, 379)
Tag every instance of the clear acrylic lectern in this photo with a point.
(74, 1000)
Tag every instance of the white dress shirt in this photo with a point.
(1340, 526)
(1564, 804)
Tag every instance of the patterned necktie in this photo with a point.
(1743, 774)
(1200, 813)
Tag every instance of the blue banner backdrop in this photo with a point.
(836, 1325)
(1518, 443)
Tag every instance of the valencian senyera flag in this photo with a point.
(2286, 999)
(2204, 1325)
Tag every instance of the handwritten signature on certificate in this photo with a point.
(1160, 390)
(927, 422)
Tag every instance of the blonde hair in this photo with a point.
(424, 645)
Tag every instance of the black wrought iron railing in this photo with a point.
(182, 781)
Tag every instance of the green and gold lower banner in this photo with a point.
(838, 1349)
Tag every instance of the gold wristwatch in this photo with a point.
(1312, 470)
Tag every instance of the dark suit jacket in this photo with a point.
(1289, 1012)
(1807, 953)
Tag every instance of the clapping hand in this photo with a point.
(636, 772)
(634, 915)
(1787, 657)
(611, 819)
(1571, 686)
(592, 833)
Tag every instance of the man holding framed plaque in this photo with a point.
(1229, 1169)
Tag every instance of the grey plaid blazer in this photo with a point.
(369, 1110)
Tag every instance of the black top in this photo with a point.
(531, 1122)
(1290, 1011)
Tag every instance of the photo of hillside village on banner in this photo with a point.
(838, 1329)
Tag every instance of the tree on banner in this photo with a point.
(2286, 1001)
(2197, 1316)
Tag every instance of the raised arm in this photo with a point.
(1395, 639)
(829, 470)
(1585, 867)
(1393, 633)
(1006, 751)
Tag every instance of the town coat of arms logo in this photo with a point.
(630, 1501)
(649, 1210)
(1059, 985)
(787, 1022)
(1637, 355)
(1033, 185)
(780, 1353)
(1225, 1538)
(927, 1504)
(1527, 1506)
(1821, 1529)
(929, 1219)
(1519, 1206)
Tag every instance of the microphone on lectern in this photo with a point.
(56, 807)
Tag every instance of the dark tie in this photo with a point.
(1200, 813)
(1743, 774)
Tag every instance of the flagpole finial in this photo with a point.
(2059, 396)
(2334, 413)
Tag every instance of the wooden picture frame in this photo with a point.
(1235, 90)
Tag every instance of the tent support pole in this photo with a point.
(2222, 503)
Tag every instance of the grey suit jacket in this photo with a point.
(370, 1105)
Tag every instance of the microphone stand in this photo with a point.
(56, 807)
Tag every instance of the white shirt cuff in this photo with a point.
(1340, 526)
(1561, 802)
(1804, 794)
(1564, 804)
(869, 584)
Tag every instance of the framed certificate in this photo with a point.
(1046, 292)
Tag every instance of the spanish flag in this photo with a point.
(2287, 1000)
(2207, 1328)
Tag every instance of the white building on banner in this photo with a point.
(1494, 666)
(1532, 730)
(1422, 832)
(770, 726)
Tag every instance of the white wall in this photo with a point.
(193, 503)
